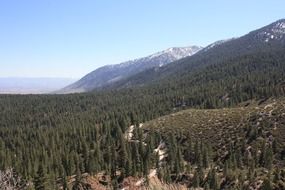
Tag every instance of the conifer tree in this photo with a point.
(78, 178)
(40, 179)
(205, 159)
(196, 180)
(268, 158)
(267, 183)
(213, 182)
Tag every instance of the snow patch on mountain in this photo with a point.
(272, 32)
(166, 56)
(109, 74)
(217, 43)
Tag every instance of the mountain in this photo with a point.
(273, 32)
(110, 74)
(264, 41)
(24, 85)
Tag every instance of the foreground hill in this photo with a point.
(245, 140)
(110, 74)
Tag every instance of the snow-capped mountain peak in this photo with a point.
(176, 52)
(110, 74)
(217, 43)
(275, 31)
(183, 52)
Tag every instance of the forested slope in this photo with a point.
(237, 147)
(238, 57)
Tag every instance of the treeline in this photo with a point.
(228, 83)
(253, 76)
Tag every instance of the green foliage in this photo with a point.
(40, 179)
(50, 137)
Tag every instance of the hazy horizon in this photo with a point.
(32, 85)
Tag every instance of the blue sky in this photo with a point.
(69, 38)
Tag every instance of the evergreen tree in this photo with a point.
(268, 158)
(213, 181)
(78, 179)
(267, 183)
(40, 179)
(196, 180)
(205, 159)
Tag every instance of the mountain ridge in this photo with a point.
(121, 75)
(215, 53)
(109, 74)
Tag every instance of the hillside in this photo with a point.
(238, 136)
(109, 74)
(266, 41)
(238, 147)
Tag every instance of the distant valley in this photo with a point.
(22, 85)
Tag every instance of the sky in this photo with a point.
(70, 38)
